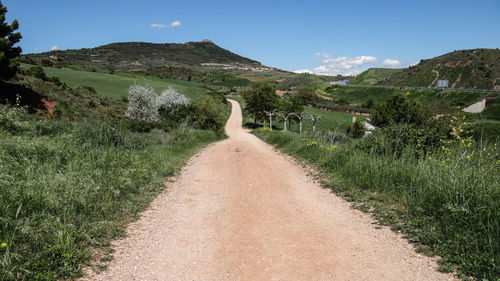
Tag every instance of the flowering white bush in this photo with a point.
(145, 104)
(142, 103)
(170, 99)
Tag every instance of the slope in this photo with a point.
(464, 69)
(116, 85)
(137, 56)
(373, 76)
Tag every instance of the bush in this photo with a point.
(399, 109)
(142, 103)
(357, 129)
(396, 139)
(207, 114)
(138, 126)
(170, 100)
(69, 187)
(37, 72)
(47, 62)
(146, 105)
(447, 203)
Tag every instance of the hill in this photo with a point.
(464, 69)
(373, 76)
(141, 56)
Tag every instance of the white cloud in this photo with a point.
(323, 55)
(391, 63)
(348, 65)
(175, 23)
(161, 25)
(303, 71)
(157, 25)
(54, 48)
(344, 65)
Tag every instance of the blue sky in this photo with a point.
(325, 37)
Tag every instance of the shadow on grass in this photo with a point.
(28, 97)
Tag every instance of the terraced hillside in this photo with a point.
(464, 69)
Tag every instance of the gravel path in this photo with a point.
(241, 211)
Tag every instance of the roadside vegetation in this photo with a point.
(69, 187)
(433, 179)
(76, 167)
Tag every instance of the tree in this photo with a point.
(259, 99)
(306, 95)
(289, 105)
(142, 103)
(7, 41)
(271, 114)
(314, 119)
(301, 116)
(285, 116)
(399, 110)
(170, 100)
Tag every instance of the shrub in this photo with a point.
(399, 109)
(218, 96)
(357, 129)
(170, 100)
(47, 62)
(12, 119)
(396, 139)
(142, 103)
(37, 72)
(207, 114)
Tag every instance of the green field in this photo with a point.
(373, 76)
(116, 85)
(330, 120)
(360, 95)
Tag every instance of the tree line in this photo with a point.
(262, 103)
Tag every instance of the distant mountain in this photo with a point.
(140, 56)
(373, 76)
(464, 69)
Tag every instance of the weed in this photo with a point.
(68, 186)
(446, 200)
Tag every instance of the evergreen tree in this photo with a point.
(8, 38)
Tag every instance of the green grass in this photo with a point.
(360, 95)
(116, 85)
(330, 120)
(68, 187)
(467, 69)
(373, 76)
(447, 202)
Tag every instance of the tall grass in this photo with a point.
(448, 201)
(66, 187)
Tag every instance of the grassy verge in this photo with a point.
(66, 187)
(447, 202)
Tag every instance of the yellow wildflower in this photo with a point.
(4, 245)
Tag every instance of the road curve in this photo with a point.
(239, 210)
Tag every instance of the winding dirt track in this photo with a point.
(241, 211)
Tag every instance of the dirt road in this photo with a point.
(241, 211)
